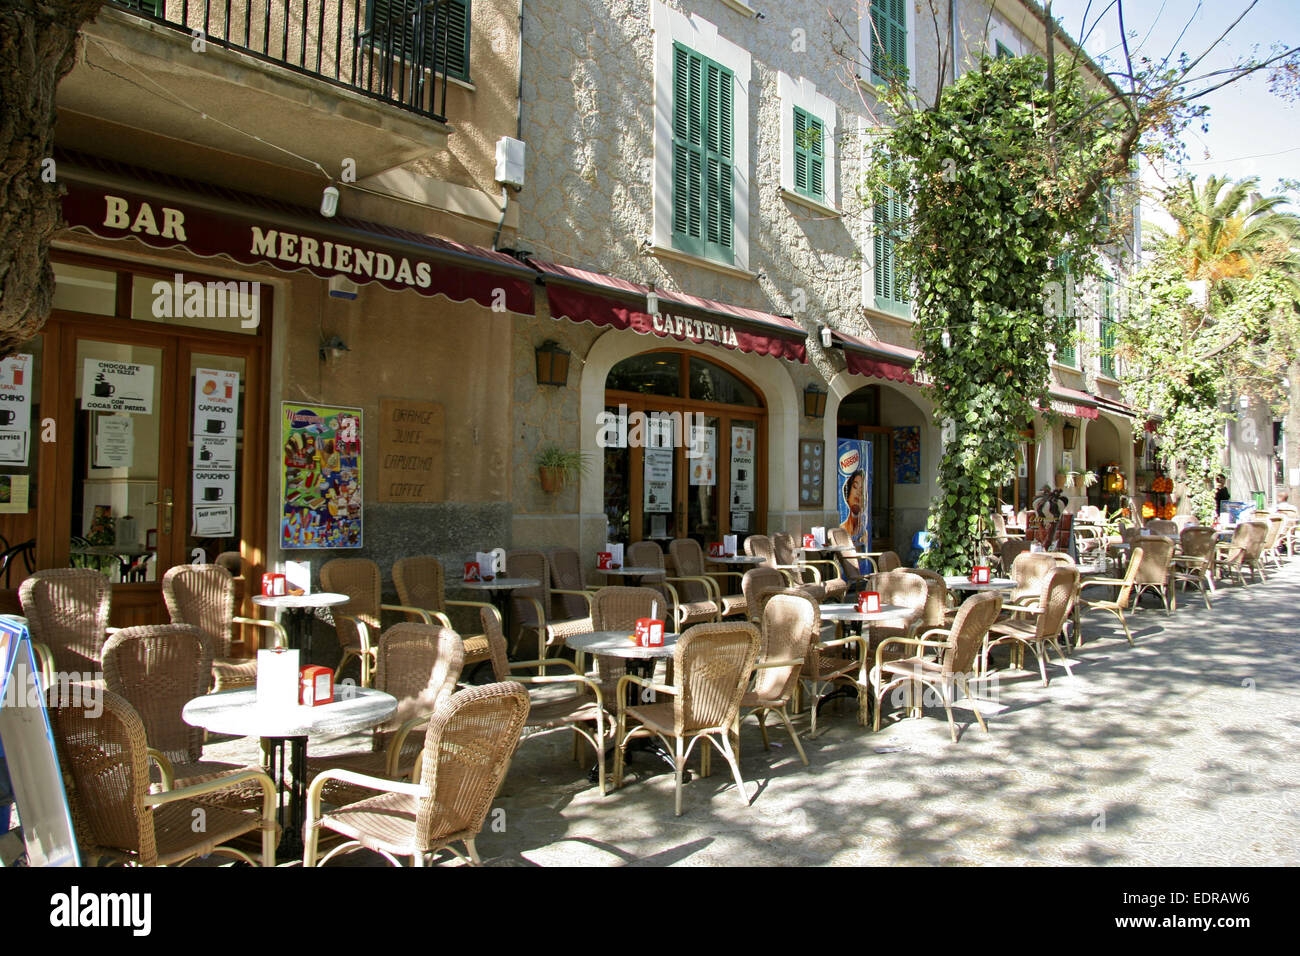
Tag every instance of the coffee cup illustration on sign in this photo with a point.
(104, 389)
(205, 454)
(7, 416)
(215, 426)
(213, 493)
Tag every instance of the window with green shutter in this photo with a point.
(414, 29)
(1106, 338)
(888, 40)
(702, 155)
(891, 284)
(809, 155)
(1003, 51)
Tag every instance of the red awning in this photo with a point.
(608, 301)
(877, 359)
(115, 201)
(1071, 401)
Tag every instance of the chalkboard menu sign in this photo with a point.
(812, 458)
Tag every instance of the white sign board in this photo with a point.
(13, 447)
(213, 486)
(213, 521)
(116, 387)
(703, 460)
(15, 409)
(216, 402)
(742, 469)
(658, 480)
(114, 441)
(211, 452)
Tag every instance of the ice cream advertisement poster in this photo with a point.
(320, 489)
(853, 490)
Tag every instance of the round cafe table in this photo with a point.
(633, 574)
(849, 613)
(498, 592)
(237, 713)
(959, 582)
(638, 660)
(298, 610)
(745, 559)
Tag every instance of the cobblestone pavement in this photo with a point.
(1179, 751)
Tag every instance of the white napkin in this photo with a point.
(298, 575)
(819, 537)
(487, 563)
(277, 678)
(728, 544)
(615, 552)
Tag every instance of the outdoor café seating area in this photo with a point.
(666, 662)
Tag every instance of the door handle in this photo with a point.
(166, 502)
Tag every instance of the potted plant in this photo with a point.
(556, 467)
(1081, 480)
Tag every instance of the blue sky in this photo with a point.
(1251, 131)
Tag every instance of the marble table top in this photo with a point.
(237, 712)
(619, 644)
(317, 599)
(500, 584)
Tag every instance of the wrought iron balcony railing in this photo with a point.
(397, 51)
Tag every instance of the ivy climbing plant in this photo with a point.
(994, 205)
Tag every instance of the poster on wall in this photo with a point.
(216, 402)
(907, 455)
(702, 462)
(216, 421)
(15, 409)
(742, 469)
(658, 466)
(114, 441)
(853, 491)
(116, 387)
(320, 478)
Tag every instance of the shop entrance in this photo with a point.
(688, 450)
(147, 436)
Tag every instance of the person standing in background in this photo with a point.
(1220, 493)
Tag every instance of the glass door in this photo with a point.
(882, 486)
(700, 493)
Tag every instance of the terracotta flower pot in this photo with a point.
(552, 479)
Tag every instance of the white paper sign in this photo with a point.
(703, 460)
(211, 452)
(740, 520)
(15, 409)
(114, 441)
(277, 678)
(213, 521)
(658, 480)
(13, 447)
(216, 402)
(658, 526)
(742, 469)
(214, 486)
(298, 575)
(116, 387)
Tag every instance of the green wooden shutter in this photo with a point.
(891, 284)
(703, 177)
(1003, 51)
(809, 155)
(888, 40)
(1107, 337)
(454, 55)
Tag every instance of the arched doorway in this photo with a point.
(897, 431)
(1103, 447)
(684, 449)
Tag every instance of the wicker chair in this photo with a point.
(358, 622)
(420, 665)
(568, 580)
(792, 562)
(1154, 575)
(67, 612)
(648, 554)
(1011, 549)
(1030, 572)
(1242, 551)
(421, 582)
(939, 611)
(761, 546)
(106, 769)
(957, 654)
(712, 664)
(790, 623)
(1164, 526)
(906, 589)
(613, 609)
(760, 583)
(850, 561)
(530, 606)
(1192, 565)
(838, 662)
(1121, 602)
(1269, 550)
(158, 669)
(584, 715)
(467, 749)
(689, 558)
(204, 595)
(888, 561)
(1049, 619)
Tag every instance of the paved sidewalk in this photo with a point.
(1180, 751)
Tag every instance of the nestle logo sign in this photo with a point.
(849, 461)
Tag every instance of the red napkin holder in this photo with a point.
(716, 549)
(315, 685)
(604, 559)
(868, 602)
(980, 575)
(809, 541)
(649, 632)
(471, 571)
(274, 585)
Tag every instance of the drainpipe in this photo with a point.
(956, 35)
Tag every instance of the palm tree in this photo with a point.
(1227, 231)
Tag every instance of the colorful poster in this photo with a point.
(907, 455)
(320, 487)
(853, 490)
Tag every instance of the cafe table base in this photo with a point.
(291, 783)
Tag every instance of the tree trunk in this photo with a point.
(1291, 434)
(38, 47)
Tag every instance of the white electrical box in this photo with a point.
(341, 287)
(510, 162)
